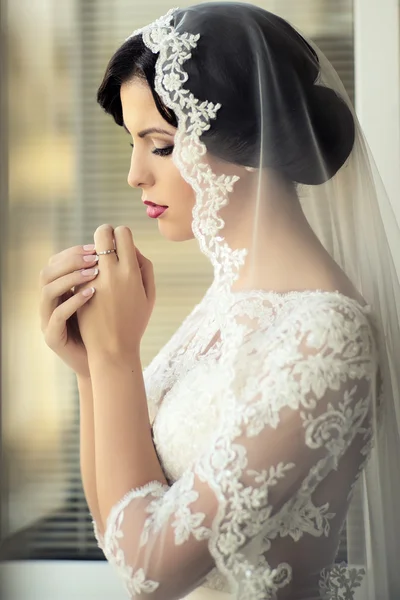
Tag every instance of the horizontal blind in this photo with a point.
(95, 191)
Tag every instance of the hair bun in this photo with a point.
(327, 138)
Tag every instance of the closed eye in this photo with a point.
(167, 151)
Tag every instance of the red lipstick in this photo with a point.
(155, 210)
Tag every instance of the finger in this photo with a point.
(104, 240)
(62, 313)
(71, 260)
(53, 291)
(147, 271)
(81, 250)
(125, 246)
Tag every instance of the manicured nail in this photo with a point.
(91, 258)
(89, 247)
(88, 291)
(90, 271)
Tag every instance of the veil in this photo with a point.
(309, 443)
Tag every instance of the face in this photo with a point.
(152, 168)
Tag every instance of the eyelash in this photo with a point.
(161, 151)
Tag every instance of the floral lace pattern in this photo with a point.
(185, 523)
(339, 582)
(233, 460)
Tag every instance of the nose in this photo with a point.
(139, 175)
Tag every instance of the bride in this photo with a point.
(270, 421)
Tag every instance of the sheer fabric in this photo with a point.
(275, 415)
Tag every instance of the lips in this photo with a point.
(148, 203)
(154, 210)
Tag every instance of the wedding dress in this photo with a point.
(275, 415)
(290, 487)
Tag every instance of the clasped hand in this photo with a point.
(114, 320)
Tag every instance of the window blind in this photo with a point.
(68, 170)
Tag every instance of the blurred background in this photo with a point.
(64, 167)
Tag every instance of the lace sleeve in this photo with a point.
(274, 472)
(98, 536)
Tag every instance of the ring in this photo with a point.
(106, 252)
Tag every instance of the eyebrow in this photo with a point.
(150, 130)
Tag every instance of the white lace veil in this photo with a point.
(259, 108)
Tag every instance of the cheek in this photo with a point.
(180, 197)
(180, 191)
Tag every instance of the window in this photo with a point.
(67, 174)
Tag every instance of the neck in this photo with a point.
(284, 253)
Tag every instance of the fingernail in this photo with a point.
(89, 247)
(88, 291)
(90, 271)
(91, 258)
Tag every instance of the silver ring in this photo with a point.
(106, 252)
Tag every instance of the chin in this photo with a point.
(174, 233)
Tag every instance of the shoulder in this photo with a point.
(326, 309)
(326, 321)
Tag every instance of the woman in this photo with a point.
(229, 469)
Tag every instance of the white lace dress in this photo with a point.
(260, 480)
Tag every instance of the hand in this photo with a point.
(59, 303)
(114, 322)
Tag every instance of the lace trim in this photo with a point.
(185, 523)
(99, 537)
(194, 119)
(135, 581)
(153, 488)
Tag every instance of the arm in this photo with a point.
(87, 452)
(125, 454)
(305, 404)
